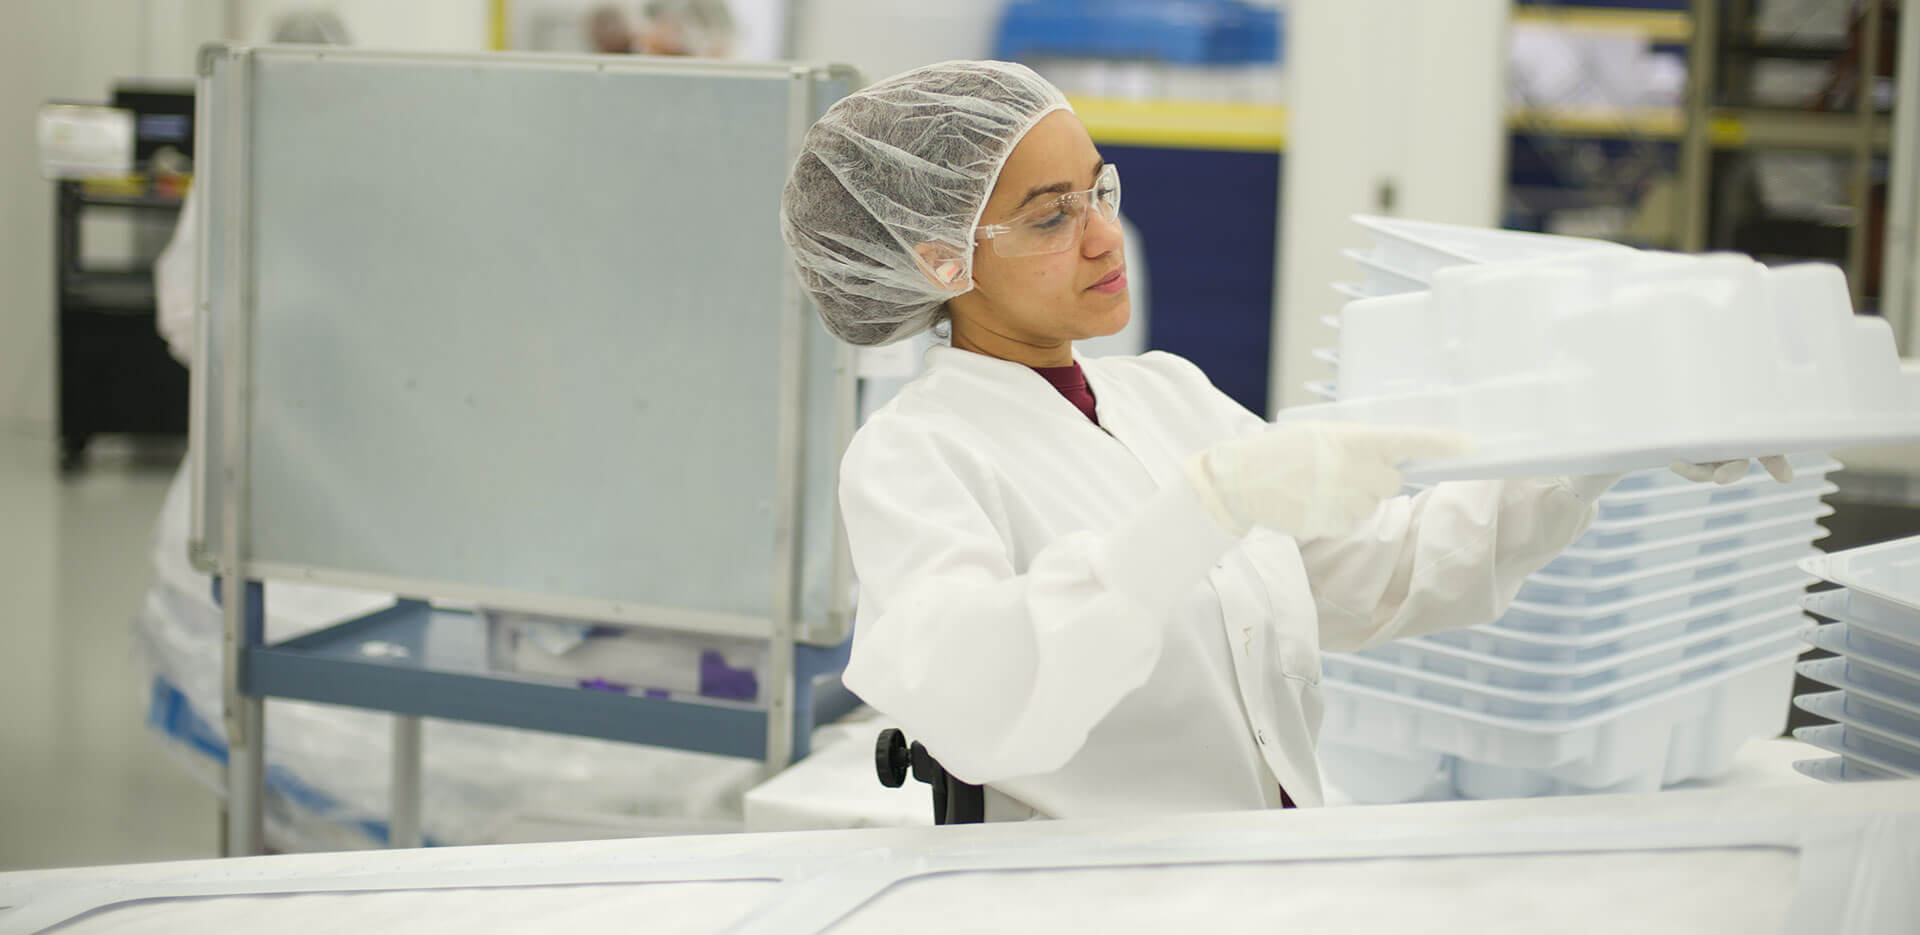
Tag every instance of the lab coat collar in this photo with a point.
(1015, 382)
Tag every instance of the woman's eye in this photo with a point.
(1051, 221)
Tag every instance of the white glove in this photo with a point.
(1726, 472)
(1310, 479)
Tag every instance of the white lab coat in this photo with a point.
(1048, 607)
(175, 283)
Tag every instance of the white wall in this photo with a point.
(885, 37)
(49, 49)
(1399, 93)
(383, 24)
(75, 49)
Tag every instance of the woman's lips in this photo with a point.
(1111, 283)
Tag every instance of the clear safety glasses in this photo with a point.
(1057, 224)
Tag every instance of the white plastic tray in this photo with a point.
(1865, 646)
(1887, 573)
(1753, 491)
(1675, 523)
(1378, 777)
(1896, 724)
(1804, 465)
(1684, 731)
(1620, 361)
(1645, 480)
(1577, 621)
(1636, 523)
(1526, 646)
(1864, 676)
(1843, 769)
(1656, 446)
(1578, 562)
(1422, 248)
(1377, 279)
(1589, 592)
(1499, 672)
(1472, 698)
(1867, 615)
(1854, 744)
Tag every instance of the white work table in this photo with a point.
(1800, 858)
(836, 787)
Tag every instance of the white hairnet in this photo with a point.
(908, 161)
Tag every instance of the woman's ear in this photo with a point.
(944, 266)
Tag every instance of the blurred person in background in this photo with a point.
(699, 28)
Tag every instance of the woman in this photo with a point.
(1101, 587)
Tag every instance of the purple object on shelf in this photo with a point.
(657, 693)
(602, 685)
(718, 680)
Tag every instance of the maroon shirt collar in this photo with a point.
(1071, 382)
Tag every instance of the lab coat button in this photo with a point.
(1262, 736)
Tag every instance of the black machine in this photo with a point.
(115, 375)
(162, 117)
(954, 802)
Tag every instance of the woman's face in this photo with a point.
(1044, 303)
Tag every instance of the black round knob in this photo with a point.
(890, 758)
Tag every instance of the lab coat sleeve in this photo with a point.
(1002, 671)
(1452, 556)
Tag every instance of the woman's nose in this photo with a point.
(1102, 235)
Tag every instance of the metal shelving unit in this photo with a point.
(115, 374)
(1722, 49)
(417, 660)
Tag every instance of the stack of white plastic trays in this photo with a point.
(1876, 670)
(1645, 655)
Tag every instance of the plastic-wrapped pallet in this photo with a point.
(1876, 671)
(1645, 655)
(327, 767)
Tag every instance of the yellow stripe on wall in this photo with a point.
(1184, 124)
(1171, 124)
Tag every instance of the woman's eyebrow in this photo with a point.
(1057, 188)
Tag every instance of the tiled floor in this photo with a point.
(81, 780)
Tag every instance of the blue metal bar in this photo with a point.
(387, 661)
(383, 686)
(414, 660)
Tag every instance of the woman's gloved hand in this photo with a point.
(1726, 472)
(1311, 479)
